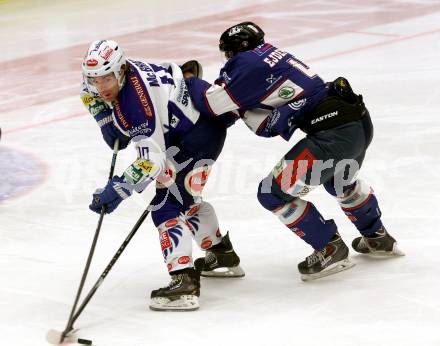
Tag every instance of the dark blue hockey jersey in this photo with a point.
(271, 90)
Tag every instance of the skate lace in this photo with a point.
(315, 257)
(175, 279)
(210, 258)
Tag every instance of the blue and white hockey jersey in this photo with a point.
(153, 108)
(255, 83)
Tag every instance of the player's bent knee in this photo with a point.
(268, 197)
(359, 192)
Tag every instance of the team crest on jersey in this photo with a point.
(286, 92)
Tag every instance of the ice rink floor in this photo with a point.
(52, 157)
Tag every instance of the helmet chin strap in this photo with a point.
(121, 82)
(121, 79)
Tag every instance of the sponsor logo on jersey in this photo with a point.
(141, 93)
(286, 92)
(174, 121)
(298, 104)
(142, 129)
(91, 62)
(97, 107)
(272, 80)
(120, 116)
(324, 117)
(146, 165)
(87, 99)
(226, 78)
(183, 96)
(94, 104)
(133, 174)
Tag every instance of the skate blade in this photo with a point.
(54, 337)
(393, 253)
(330, 270)
(224, 272)
(185, 303)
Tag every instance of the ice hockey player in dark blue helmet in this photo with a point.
(275, 93)
(241, 37)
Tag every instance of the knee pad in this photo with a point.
(291, 213)
(203, 223)
(362, 208)
(355, 196)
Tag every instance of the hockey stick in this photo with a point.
(54, 335)
(111, 264)
(69, 325)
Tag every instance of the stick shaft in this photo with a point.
(70, 321)
(111, 264)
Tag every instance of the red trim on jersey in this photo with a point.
(223, 84)
(291, 170)
(207, 103)
(262, 125)
(229, 92)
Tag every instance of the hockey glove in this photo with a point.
(110, 132)
(114, 193)
(192, 67)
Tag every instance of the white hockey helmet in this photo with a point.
(102, 58)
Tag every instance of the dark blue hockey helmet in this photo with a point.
(241, 37)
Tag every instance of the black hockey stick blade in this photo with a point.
(54, 337)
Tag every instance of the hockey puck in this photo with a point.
(84, 341)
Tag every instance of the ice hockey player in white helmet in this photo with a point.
(176, 145)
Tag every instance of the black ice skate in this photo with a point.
(180, 295)
(331, 260)
(220, 261)
(380, 243)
